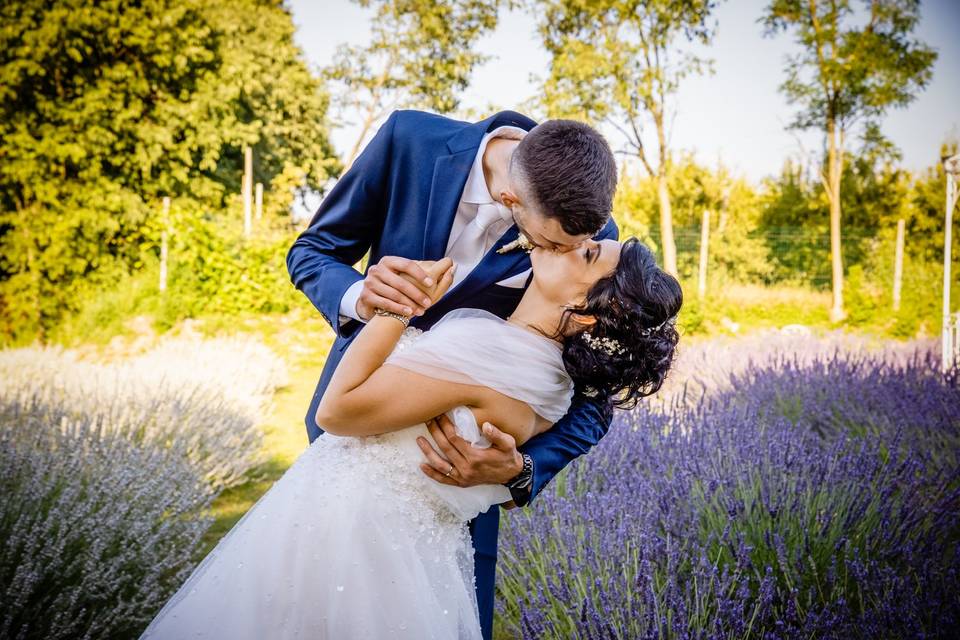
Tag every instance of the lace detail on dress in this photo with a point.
(408, 337)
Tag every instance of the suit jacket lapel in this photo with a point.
(449, 175)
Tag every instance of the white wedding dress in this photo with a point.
(354, 541)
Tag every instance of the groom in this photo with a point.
(427, 187)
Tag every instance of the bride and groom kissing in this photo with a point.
(499, 324)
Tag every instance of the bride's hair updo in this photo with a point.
(626, 354)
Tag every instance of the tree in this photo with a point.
(420, 56)
(268, 99)
(850, 70)
(107, 106)
(95, 105)
(735, 254)
(619, 61)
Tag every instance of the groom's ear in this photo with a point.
(509, 198)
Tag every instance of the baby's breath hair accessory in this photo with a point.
(646, 331)
(610, 346)
(522, 242)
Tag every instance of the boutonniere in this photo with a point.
(522, 242)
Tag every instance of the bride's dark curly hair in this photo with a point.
(635, 306)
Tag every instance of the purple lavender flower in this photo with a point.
(799, 496)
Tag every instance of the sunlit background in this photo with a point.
(797, 477)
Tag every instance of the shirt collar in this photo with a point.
(475, 190)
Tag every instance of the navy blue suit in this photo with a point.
(399, 199)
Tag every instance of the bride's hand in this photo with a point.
(442, 273)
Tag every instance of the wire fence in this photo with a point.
(796, 255)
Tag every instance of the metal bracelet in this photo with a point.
(383, 312)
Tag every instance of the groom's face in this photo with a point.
(542, 230)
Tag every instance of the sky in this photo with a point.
(735, 116)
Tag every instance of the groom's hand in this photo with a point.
(470, 465)
(386, 287)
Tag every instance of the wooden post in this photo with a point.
(947, 335)
(247, 189)
(163, 244)
(898, 265)
(259, 200)
(704, 239)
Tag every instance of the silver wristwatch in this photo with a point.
(525, 477)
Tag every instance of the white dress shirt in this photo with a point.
(475, 193)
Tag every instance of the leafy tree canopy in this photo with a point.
(105, 107)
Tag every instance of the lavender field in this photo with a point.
(107, 471)
(782, 487)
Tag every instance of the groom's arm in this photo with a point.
(321, 259)
(570, 437)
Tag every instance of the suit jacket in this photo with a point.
(400, 198)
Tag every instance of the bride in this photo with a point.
(354, 541)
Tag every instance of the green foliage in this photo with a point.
(420, 55)
(849, 73)
(734, 207)
(105, 107)
(611, 57)
(83, 90)
(268, 100)
(214, 271)
(768, 245)
(874, 194)
(846, 70)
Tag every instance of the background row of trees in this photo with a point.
(107, 107)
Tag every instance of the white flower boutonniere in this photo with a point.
(522, 242)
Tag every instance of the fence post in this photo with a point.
(898, 265)
(247, 189)
(258, 198)
(704, 239)
(951, 201)
(165, 222)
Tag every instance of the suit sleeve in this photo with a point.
(321, 260)
(574, 434)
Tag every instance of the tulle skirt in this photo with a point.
(352, 542)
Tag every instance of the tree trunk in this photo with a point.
(834, 171)
(666, 225)
(663, 195)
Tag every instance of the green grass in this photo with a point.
(738, 309)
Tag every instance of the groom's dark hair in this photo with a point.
(568, 172)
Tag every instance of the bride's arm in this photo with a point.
(366, 398)
(393, 398)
